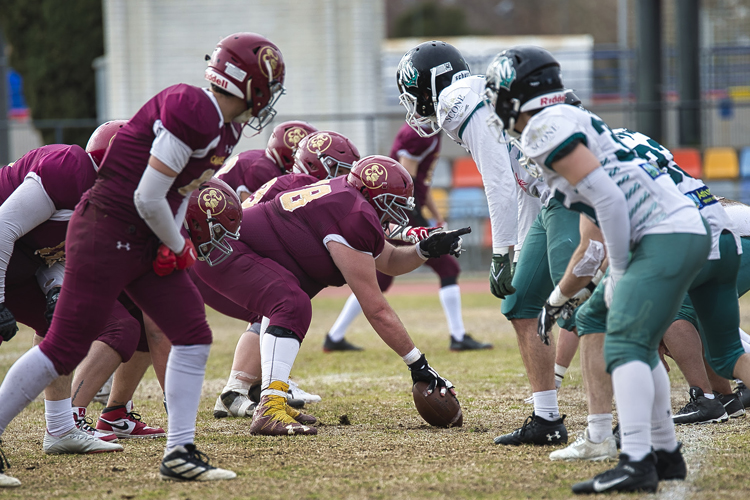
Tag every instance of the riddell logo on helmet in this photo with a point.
(375, 176)
(216, 79)
(555, 99)
(319, 142)
(293, 136)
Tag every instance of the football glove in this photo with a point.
(414, 235)
(547, 317)
(188, 257)
(501, 276)
(422, 371)
(8, 326)
(52, 297)
(442, 243)
(165, 261)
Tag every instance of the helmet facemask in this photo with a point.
(393, 209)
(257, 120)
(425, 126)
(218, 236)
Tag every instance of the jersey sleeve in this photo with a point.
(191, 117)
(493, 162)
(414, 147)
(548, 137)
(362, 232)
(457, 104)
(65, 175)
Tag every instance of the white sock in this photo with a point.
(600, 426)
(347, 315)
(662, 425)
(25, 380)
(186, 367)
(277, 356)
(450, 298)
(633, 386)
(559, 374)
(59, 417)
(545, 405)
(709, 395)
(236, 383)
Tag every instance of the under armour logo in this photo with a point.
(121, 245)
(556, 435)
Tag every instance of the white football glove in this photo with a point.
(414, 234)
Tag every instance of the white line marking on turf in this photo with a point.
(696, 440)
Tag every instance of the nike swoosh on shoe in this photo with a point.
(600, 486)
(122, 427)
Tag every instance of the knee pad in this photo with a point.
(448, 281)
(281, 332)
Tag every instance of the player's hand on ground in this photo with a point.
(188, 257)
(501, 276)
(413, 235)
(52, 297)
(8, 325)
(422, 371)
(443, 243)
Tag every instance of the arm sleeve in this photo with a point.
(493, 162)
(50, 277)
(611, 209)
(150, 200)
(26, 208)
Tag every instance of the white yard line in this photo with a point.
(696, 441)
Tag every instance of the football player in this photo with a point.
(640, 212)
(325, 234)
(439, 92)
(418, 155)
(249, 170)
(124, 235)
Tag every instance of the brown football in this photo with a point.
(437, 410)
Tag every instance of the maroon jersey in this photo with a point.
(270, 189)
(190, 114)
(295, 226)
(425, 150)
(65, 172)
(248, 171)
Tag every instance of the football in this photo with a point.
(437, 410)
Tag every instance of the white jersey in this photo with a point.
(462, 114)
(655, 205)
(660, 157)
(740, 215)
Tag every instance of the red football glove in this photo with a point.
(165, 261)
(188, 256)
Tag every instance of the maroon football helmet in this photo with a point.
(102, 138)
(249, 66)
(325, 155)
(386, 185)
(214, 213)
(284, 140)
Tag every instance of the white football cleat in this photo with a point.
(584, 449)
(297, 393)
(234, 404)
(6, 481)
(76, 441)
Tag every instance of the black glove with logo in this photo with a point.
(8, 326)
(442, 243)
(52, 297)
(422, 371)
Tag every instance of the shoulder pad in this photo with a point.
(546, 131)
(456, 104)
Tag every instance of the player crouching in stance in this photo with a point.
(325, 234)
(124, 235)
(640, 212)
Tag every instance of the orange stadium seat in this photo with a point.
(720, 163)
(689, 160)
(465, 173)
(487, 235)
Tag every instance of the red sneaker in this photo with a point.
(126, 424)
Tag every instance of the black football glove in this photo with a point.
(501, 276)
(8, 326)
(422, 371)
(52, 297)
(547, 317)
(443, 242)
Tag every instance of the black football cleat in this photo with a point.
(743, 393)
(468, 344)
(732, 404)
(342, 345)
(536, 430)
(627, 476)
(670, 465)
(700, 410)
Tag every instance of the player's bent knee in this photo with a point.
(281, 332)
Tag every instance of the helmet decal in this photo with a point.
(408, 74)
(269, 58)
(212, 200)
(502, 73)
(293, 136)
(319, 143)
(375, 176)
(235, 72)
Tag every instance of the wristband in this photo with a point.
(419, 252)
(412, 356)
(556, 298)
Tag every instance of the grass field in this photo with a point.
(382, 449)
